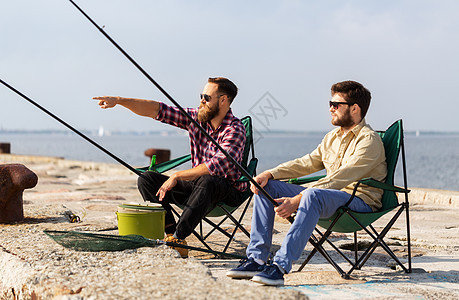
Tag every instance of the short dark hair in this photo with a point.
(353, 92)
(225, 86)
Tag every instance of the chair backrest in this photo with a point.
(247, 121)
(250, 167)
(392, 139)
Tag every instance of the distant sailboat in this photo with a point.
(418, 133)
(101, 131)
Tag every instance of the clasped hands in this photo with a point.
(287, 205)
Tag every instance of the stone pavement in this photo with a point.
(32, 266)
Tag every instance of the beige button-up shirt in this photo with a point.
(347, 159)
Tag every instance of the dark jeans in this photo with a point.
(198, 197)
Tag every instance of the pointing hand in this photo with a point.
(107, 101)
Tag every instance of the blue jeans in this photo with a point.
(315, 204)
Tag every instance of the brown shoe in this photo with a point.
(182, 251)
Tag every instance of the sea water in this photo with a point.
(432, 159)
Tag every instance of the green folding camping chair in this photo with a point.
(347, 221)
(221, 210)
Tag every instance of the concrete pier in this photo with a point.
(32, 266)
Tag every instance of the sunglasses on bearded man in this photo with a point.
(336, 104)
(207, 98)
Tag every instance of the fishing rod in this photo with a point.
(71, 128)
(208, 136)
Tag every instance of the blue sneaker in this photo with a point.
(271, 275)
(246, 270)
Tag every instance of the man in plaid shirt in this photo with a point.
(212, 178)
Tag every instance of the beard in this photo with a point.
(205, 114)
(344, 121)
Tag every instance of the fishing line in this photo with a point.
(71, 128)
(246, 174)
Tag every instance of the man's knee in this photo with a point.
(142, 181)
(149, 180)
(261, 199)
(207, 181)
(270, 187)
(311, 193)
(311, 197)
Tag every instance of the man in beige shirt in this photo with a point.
(348, 153)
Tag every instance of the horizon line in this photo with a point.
(181, 132)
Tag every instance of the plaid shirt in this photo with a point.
(230, 135)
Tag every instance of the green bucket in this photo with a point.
(147, 221)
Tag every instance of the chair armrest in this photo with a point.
(367, 181)
(381, 185)
(250, 169)
(377, 184)
(167, 165)
(305, 179)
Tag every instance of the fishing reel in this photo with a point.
(71, 217)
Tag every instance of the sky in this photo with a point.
(283, 55)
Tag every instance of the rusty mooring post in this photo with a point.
(14, 179)
(5, 148)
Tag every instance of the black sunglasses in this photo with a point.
(336, 104)
(205, 97)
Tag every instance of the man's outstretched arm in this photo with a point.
(142, 107)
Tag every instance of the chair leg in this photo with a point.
(325, 254)
(364, 257)
(408, 235)
(318, 248)
(370, 249)
(406, 204)
(305, 262)
(230, 239)
(202, 241)
(378, 240)
(383, 244)
(335, 247)
(238, 225)
(197, 235)
(229, 216)
(200, 229)
(215, 226)
(235, 221)
(356, 250)
(321, 250)
(200, 236)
